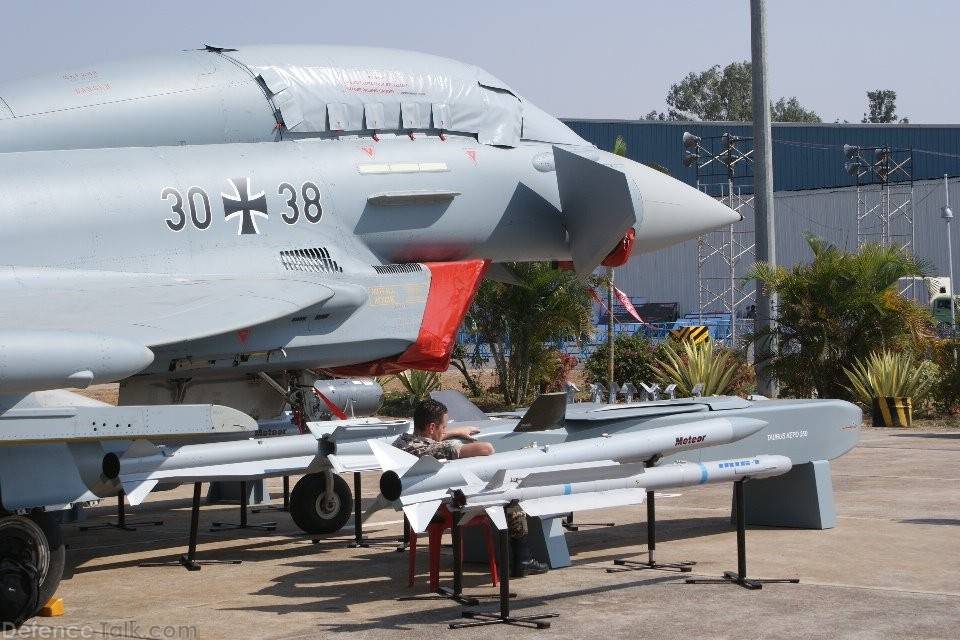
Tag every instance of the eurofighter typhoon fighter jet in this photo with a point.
(186, 223)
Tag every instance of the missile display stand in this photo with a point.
(651, 563)
(740, 577)
(286, 499)
(480, 618)
(569, 525)
(243, 524)
(189, 561)
(358, 538)
(121, 522)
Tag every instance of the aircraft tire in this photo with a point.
(35, 538)
(307, 506)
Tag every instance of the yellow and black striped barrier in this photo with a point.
(695, 334)
(892, 412)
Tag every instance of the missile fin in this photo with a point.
(419, 515)
(470, 478)
(424, 465)
(559, 505)
(138, 490)
(497, 517)
(391, 458)
(140, 449)
(378, 504)
(497, 480)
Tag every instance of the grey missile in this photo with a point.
(406, 474)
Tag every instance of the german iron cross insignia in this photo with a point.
(247, 206)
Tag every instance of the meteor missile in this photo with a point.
(428, 478)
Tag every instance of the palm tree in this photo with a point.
(519, 323)
(839, 307)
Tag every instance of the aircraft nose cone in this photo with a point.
(674, 211)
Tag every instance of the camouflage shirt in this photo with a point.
(422, 446)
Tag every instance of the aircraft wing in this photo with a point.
(73, 327)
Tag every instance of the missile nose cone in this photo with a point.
(743, 427)
(673, 211)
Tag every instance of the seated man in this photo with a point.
(431, 437)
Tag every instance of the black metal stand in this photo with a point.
(404, 542)
(121, 522)
(358, 539)
(189, 561)
(480, 618)
(244, 498)
(286, 499)
(740, 577)
(568, 524)
(651, 563)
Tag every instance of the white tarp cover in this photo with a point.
(352, 89)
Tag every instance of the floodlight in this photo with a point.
(729, 139)
(690, 140)
(850, 151)
(881, 154)
(946, 213)
(689, 158)
(853, 168)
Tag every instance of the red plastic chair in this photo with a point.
(441, 522)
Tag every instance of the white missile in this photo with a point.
(144, 464)
(406, 474)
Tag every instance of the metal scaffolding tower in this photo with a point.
(884, 197)
(724, 166)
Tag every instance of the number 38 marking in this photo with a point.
(312, 210)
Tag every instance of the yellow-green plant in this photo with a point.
(688, 364)
(884, 374)
(418, 384)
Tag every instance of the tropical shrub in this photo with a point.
(885, 374)
(634, 356)
(721, 371)
(839, 307)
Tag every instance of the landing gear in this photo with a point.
(316, 512)
(34, 539)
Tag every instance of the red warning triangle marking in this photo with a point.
(367, 150)
(472, 154)
(242, 335)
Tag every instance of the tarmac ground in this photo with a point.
(890, 568)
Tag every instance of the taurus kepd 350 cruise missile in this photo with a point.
(427, 477)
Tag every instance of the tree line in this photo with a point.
(725, 94)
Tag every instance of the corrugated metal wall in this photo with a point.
(670, 275)
(805, 156)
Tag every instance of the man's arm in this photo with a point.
(464, 433)
(473, 449)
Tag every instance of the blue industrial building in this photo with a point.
(805, 156)
(814, 192)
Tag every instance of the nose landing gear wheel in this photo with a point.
(314, 514)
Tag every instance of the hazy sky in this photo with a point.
(575, 59)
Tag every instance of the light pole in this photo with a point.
(947, 215)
